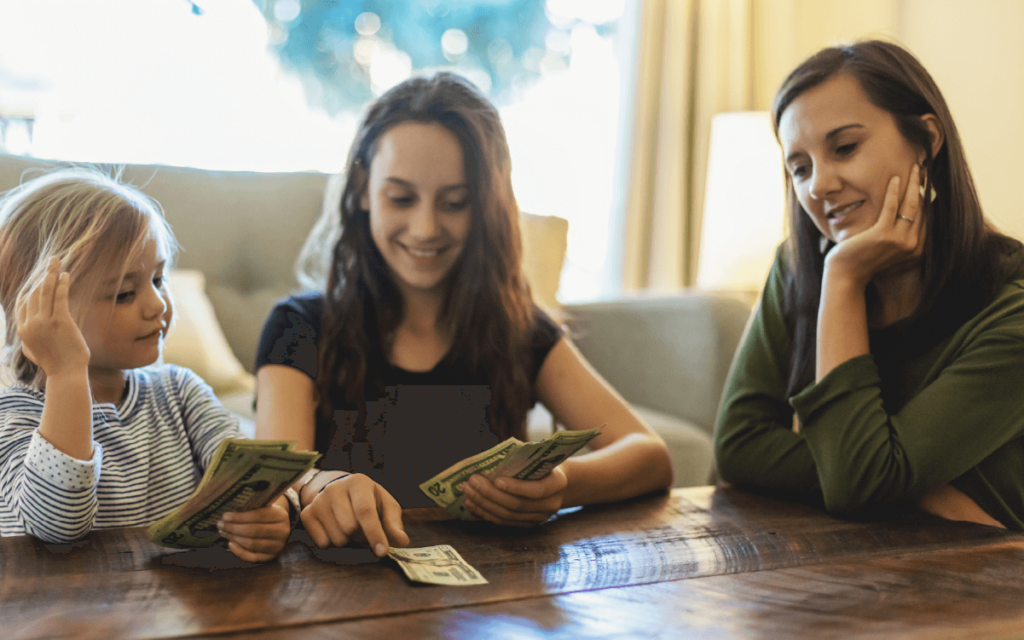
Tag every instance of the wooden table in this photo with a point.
(702, 563)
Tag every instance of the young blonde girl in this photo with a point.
(91, 436)
(423, 347)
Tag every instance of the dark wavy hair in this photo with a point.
(965, 260)
(487, 304)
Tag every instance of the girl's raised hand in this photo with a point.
(49, 335)
(355, 508)
(516, 503)
(896, 238)
(257, 535)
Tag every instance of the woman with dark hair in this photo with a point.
(884, 365)
(423, 347)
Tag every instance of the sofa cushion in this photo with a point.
(544, 244)
(196, 340)
(689, 446)
(668, 353)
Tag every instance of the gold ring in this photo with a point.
(899, 217)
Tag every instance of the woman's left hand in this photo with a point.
(896, 239)
(257, 535)
(516, 503)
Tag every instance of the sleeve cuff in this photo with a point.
(61, 470)
(849, 377)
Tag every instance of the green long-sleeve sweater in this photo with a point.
(881, 430)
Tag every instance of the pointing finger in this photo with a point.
(364, 508)
(392, 519)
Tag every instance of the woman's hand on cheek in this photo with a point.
(516, 503)
(896, 239)
(355, 508)
(257, 535)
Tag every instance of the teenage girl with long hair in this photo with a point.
(423, 345)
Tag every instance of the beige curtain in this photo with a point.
(696, 58)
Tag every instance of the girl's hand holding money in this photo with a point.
(257, 535)
(516, 503)
(353, 508)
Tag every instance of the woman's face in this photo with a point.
(841, 151)
(419, 205)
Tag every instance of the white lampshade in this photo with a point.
(744, 203)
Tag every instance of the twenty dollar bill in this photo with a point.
(510, 459)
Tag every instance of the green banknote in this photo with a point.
(242, 475)
(510, 459)
(436, 565)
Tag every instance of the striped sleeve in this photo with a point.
(46, 493)
(207, 422)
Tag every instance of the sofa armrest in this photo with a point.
(670, 354)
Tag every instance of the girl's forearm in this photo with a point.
(635, 464)
(66, 422)
(842, 323)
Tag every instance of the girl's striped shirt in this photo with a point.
(149, 453)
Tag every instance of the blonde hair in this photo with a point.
(84, 218)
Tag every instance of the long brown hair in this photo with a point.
(965, 261)
(487, 303)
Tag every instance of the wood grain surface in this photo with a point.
(658, 563)
(975, 593)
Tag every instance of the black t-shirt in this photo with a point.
(418, 423)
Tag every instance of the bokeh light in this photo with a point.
(287, 10)
(367, 24)
(454, 42)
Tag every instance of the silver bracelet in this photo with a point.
(326, 484)
(311, 475)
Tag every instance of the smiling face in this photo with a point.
(419, 205)
(841, 151)
(124, 326)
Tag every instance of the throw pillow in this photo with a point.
(196, 340)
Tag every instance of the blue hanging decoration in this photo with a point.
(317, 40)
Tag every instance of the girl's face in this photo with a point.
(419, 206)
(124, 326)
(841, 151)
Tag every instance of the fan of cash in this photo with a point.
(242, 475)
(510, 459)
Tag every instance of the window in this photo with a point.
(247, 85)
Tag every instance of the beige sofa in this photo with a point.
(240, 234)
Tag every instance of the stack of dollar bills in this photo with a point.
(243, 475)
(510, 459)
